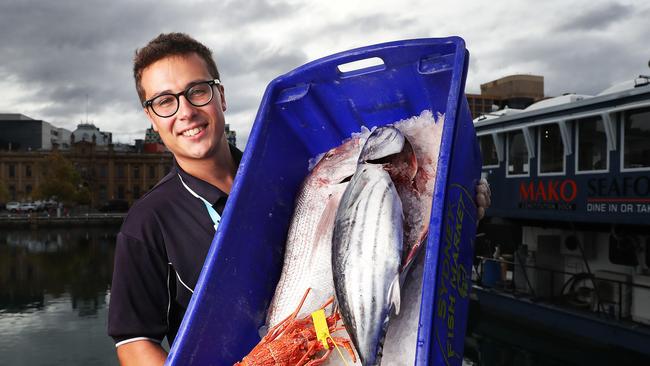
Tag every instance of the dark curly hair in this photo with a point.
(169, 44)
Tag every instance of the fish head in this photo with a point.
(389, 147)
(383, 142)
(340, 163)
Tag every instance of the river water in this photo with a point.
(55, 285)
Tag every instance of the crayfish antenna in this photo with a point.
(275, 331)
(328, 302)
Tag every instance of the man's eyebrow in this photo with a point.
(187, 86)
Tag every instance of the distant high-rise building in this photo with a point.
(231, 135)
(22, 133)
(513, 91)
(517, 91)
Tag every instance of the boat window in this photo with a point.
(517, 154)
(636, 139)
(488, 151)
(592, 144)
(551, 149)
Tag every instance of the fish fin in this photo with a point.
(394, 294)
(326, 223)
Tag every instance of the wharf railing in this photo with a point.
(40, 219)
(605, 297)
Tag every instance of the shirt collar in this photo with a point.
(204, 189)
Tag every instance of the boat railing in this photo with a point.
(608, 298)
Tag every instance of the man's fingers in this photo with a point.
(484, 186)
(481, 200)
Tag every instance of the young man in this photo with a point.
(165, 238)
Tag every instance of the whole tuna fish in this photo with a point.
(307, 258)
(368, 242)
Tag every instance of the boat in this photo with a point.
(565, 247)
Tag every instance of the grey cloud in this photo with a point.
(599, 18)
(60, 51)
(65, 51)
(254, 11)
(356, 24)
(249, 56)
(375, 22)
(247, 68)
(572, 63)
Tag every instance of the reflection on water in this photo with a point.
(53, 296)
(53, 307)
(495, 341)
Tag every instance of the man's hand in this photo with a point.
(482, 197)
(142, 352)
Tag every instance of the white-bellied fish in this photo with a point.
(368, 242)
(307, 258)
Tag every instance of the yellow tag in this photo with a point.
(320, 324)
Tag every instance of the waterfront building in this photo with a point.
(109, 171)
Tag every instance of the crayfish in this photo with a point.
(292, 342)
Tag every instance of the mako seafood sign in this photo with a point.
(453, 278)
(609, 194)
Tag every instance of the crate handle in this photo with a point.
(359, 67)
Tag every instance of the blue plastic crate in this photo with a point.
(309, 111)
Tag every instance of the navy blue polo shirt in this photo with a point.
(160, 251)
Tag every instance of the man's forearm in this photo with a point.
(141, 353)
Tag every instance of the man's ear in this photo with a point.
(151, 119)
(222, 95)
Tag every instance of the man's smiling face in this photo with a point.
(193, 133)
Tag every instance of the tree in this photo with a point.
(4, 192)
(60, 179)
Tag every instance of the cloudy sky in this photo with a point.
(69, 61)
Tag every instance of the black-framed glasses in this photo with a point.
(166, 105)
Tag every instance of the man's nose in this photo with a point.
(185, 109)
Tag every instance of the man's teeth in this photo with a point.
(192, 132)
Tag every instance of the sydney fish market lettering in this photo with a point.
(454, 281)
(551, 194)
(614, 195)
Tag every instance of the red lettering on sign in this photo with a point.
(574, 190)
(541, 191)
(526, 193)
(551, 190)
